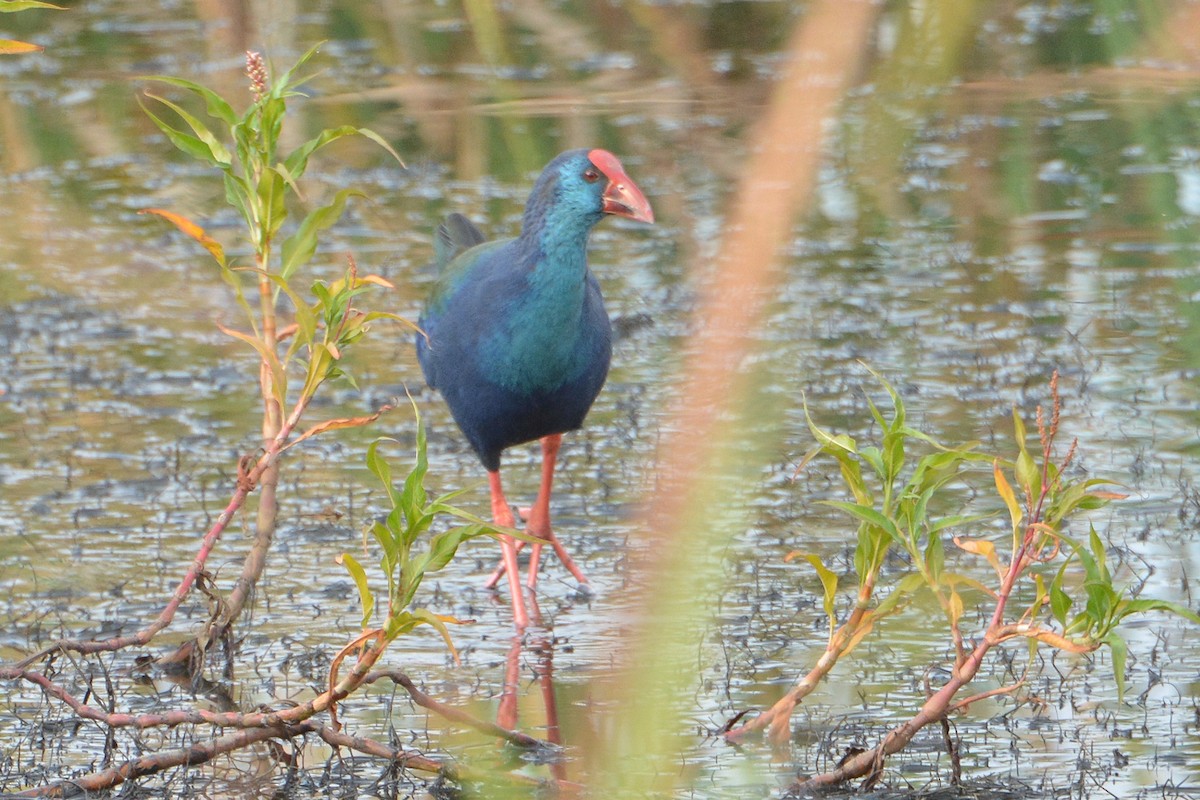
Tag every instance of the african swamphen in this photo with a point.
(515, 333)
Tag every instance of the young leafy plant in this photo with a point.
(406, 557)
(258, 182)
(262, 184)
(892, 513)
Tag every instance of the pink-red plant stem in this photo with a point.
(246, 485)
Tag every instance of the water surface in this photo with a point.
(1029, 205)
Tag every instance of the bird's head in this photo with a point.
(586, 185)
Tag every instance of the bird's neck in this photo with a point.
(558, 244)
(540, 348)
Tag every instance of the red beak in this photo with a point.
(622, 197)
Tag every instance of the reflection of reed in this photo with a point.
(703, 456)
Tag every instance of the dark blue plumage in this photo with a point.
(519, 342)
(515, 335)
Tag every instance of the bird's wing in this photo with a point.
(454, 236)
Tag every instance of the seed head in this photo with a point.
(256, 71)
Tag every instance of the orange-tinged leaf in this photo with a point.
(1007, 495)
(10, 47)
(956, 607)
(981, 547)
(864, 627)
(191, 229)
(439, 622)
(278, 377)
(377, 280)
(345, 422)
(1108, 495)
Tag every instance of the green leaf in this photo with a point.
(935, 469)
(297, 160)
(883, 424)
(379, 140)
(360, 580)
(852, 476)
(237, 194)
(1119, 650)
(956, 520)
(1060, 601)
(829, 583)
(935, 557)
(1028, 475)
(1019, 429)
(869, 516)
(413, 496)
(9, 6)
(1099, 553)
(399, 623)
(215, 105)
(893, 454)
(897, 404)
(272, 211)
(444, 545)
(1100, 603)
(271, 112)
(862, 554)
(321, 292)
(1145, 604)
(904, 588)
(218, 153)
(299, 248)
(286, 81)
(838, 442)
(874, 456)
(189, 144)
(390, 544)
(320, 367)
(380, 469)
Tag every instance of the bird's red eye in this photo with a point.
(591, 175)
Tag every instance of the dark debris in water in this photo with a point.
(974, 790)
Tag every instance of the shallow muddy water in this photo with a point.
(1012, 188)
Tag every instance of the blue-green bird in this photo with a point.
(515, 335)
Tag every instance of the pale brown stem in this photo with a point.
(255, 561)
(196, 753)
(940, 703)
(380, 750)
(268, 504)
(778, 716)
(453, 714)
(962, 705)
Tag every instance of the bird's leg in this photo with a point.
(539, 515)
(502, 515)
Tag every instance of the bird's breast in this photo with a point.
(540, 352)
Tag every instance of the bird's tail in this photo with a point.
(454, 236)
